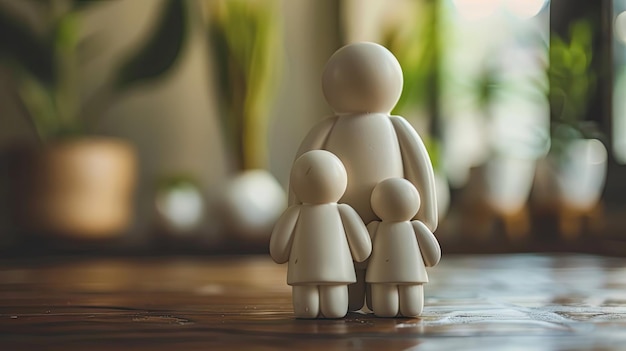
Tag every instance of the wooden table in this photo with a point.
(528, 302)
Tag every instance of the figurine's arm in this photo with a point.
(314, 140)
(429, 246)
(356, 232)
(417, 169)
(282, 235)
(372, 227)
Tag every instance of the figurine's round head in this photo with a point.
(395, 199)
(362, 78)
(318, 177)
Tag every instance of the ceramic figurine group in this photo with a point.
(355, 231)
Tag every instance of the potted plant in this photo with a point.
(497, 115)
(75, 182)
(571, 178)
(245, 44)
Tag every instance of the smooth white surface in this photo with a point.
(395, 199)
(372, 145)
(182, 208)
(250, 203)
(583, 173)
(362, 78)
(620, 26)
(401, 251)
(318, 177)
(362, 83)
(320, 238)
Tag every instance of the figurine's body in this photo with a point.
(320, 238)
(401, 251)
(362, 83)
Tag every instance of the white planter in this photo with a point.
(581, 174)
(443, 195)
(508, 181)
(249, 205)
(569, 187)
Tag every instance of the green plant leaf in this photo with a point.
(161, 49)
(572, 79)
(37, 100)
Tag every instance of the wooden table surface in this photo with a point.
(528, 302)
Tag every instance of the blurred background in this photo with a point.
(170, 126)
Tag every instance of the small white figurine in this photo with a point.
(320, 238)
(401, 249)
(362, 82)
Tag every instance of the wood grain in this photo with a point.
(472, 302)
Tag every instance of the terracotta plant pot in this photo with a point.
(78, 188)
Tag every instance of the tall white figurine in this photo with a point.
(320, 238)
(401, 249)
(362, 82)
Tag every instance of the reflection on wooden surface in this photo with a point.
(538, 302)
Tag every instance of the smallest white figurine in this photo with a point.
(401, 249)
(320, 238)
